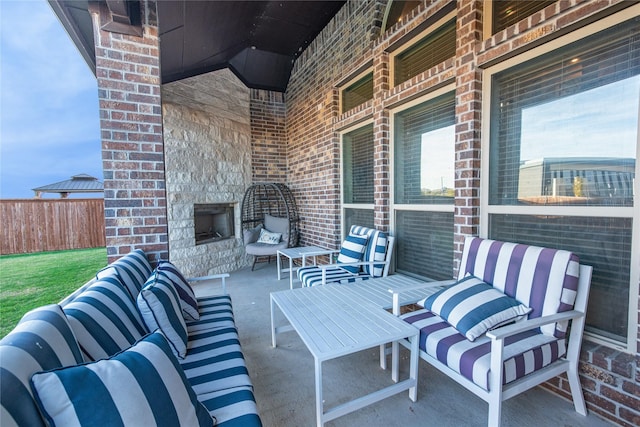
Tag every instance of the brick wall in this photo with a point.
(127, 70)
(268, 136)
(350, 43)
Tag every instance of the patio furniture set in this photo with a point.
(498, 330)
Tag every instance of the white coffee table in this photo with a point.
(302, 252)
(333, 321)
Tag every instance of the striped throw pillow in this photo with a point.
(473, 307)
(141, 386)
(133, 269)
(351, 251)
(159, 305)
(188, 301)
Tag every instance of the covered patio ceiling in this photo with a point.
(258, 40)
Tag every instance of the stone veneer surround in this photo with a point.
(207, 142)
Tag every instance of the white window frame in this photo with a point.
(603, 211)
(364, 206)
(393, 206)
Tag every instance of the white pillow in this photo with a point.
(268, 237)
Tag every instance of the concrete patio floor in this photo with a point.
(284, 385)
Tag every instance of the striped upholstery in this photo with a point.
(104, 319)
(544, 279)
(232, 407)
(102, 392)
(188, 301)
(159, 306)
(312, 276)
(215, 312)
(351, 251)
(133, 269)
(42, 340)
(523, 354)
(214, 361)
(375, 251)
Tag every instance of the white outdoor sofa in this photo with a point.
(531, 348)
(125, 349)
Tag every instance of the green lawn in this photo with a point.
(31, 280)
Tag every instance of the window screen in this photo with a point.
(424, 244)
(428, 52)
(357, 163)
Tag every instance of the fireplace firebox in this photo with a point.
(213, 222)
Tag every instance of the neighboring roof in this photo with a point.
(81, 183)
(258, 40)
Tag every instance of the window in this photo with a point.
(437, 47)
(357, 93)
(424, 137)
(357, 177)
(505, 13)
(562, 162)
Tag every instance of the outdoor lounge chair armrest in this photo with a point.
(221, 276)
(526, 325)
(426, 285)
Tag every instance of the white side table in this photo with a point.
(302, 252)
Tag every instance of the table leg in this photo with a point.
(278, 262)
(273, 325)
(290, 272)
(413, 367)
(319, 405)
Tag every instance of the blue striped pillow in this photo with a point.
(133, 269)
(159, 305)
(473, 307)
(188, 301)
(104, 319)
(42, 340)
(143, 385)
(351, 251)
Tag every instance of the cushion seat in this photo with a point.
(264, 249)
(232, 407)
(523, 353)
(215, 312)
(312, 276)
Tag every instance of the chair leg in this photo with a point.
(576, 389)
(254, 263)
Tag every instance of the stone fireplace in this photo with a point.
(207, 143)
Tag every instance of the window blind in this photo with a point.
(358, 165)
(410, 126)
(357, 93)
(437, 47)
(507, 12)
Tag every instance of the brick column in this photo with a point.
(381, 144)
(128, 74)
(468, 126)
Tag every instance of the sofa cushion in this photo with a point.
(188, 302)
(214, 361)
(42, 340)
(473, 307)
(351, 251)
(232, 407)
(376, 249)
(541, 278)
(277, 225)
(523, 353)
(143, 385)
(215, 312)
(105, 319)
(159, 305)
(132, 269)
(312, 276)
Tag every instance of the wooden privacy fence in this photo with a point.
(38, 225)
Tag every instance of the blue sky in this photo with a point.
(49, 122)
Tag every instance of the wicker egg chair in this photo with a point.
(264, 203)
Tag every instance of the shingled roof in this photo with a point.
(81, 183)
